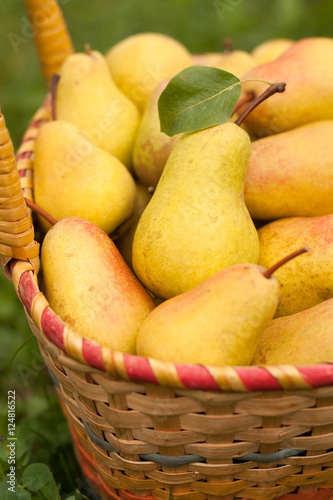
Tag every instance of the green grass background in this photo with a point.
(200, 25)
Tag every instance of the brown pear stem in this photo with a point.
(54, 86)
(272, 89)
(40, 211)
(87, 49)
(227, 44)
(247, 98)
(268, 273)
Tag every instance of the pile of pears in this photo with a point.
(180, 248)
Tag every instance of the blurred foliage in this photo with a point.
(40, 428)
(200, 25)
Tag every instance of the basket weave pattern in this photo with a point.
(126, 426)
(140, 419)
(16, 229)
(143, 428)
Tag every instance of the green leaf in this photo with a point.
(196, 98)
(19, 493)
(50, 490)
(38, 477)
(35, 476)
(3, 453)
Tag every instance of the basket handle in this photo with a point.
(16, 228)
(52, 39)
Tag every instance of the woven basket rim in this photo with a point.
(141, 369)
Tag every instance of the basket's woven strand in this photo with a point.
(53, 42)
(141, 369)
(25, 153)
(16, 229)
(89, 466)
(171, 461)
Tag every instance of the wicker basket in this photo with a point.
(143, 428)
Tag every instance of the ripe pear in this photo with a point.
(309, 92)
(291, 173)
(300, 339)
(88, 98)
(196, 222)
(219, 322)
(271, 49)
(212, 59)
(308, 280)
(139, 62)
(125, 241)
(152, 147)
(237, 62)
(88, 284)
(73, 177)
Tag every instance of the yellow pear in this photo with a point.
(300, 339)
(139, 62)
(125, 241)
(271, 49)
(237, 62)
(309, 91)
(196, 222)
(73, 177)
(211, 59)
(88, 284)
(219, 322)
(152, 147)
(88, 98)
(291, 173)
(307, 281)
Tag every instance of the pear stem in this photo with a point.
(227, 44)
(87, 49)
(268, 273)
(272, 89)
(54, 85)
(248, 97)
(40, 211)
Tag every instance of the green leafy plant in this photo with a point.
(38, 478)
(42, 436)
(40, 428)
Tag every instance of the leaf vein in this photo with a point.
(201, 102)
